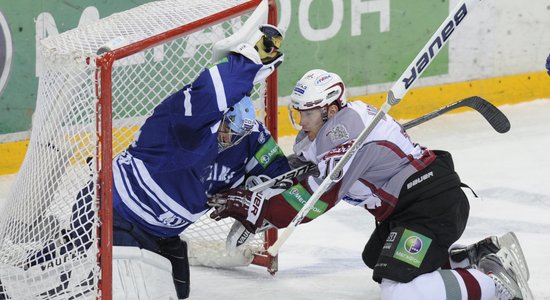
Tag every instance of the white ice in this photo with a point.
(322, 260)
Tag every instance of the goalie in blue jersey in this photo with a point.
(200, 140)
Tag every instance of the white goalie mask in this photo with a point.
(236, 124)
(316, 89)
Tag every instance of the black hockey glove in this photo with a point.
(245, 206)
(269, 44)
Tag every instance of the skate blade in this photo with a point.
(509, 261)
(511, 242)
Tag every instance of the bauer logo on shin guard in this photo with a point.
(438, 41)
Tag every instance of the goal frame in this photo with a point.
(104, 130)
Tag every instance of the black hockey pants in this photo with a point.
(430, 216)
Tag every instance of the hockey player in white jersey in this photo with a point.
(413, 192)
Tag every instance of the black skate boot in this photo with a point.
(475, 252)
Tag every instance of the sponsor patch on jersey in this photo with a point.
(268, 153)
(338, 133)
(412, 248)
(297, 196)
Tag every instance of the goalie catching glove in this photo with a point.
(245, 206)
(269, 44)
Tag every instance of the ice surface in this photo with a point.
(322, 260)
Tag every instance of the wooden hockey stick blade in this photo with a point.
(491, 113)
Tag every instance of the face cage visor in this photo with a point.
(228, 138)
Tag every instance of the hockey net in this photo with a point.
(55, 247)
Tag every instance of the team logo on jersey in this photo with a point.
(412, 248)
(220, 173)
(339, 151)
(261, 138)
(338, 133)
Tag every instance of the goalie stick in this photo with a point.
(396, 93)
(238, 235)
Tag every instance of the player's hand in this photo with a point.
(245, 206)
(269, 44)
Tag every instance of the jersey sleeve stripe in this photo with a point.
(214, 128)
(130, 199)
(159, 192)
(218, 88)
(187, 103)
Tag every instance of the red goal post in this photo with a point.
(90, 105)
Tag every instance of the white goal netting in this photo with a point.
(49, 249)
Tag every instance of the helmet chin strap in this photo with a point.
(324, 114)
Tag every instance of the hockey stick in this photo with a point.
(238, 235)
(396, 93)
(492, 114)
(288, 175)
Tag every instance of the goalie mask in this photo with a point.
(237, 123)
(317, 89)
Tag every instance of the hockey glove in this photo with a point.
(269, 44)
(245, 206)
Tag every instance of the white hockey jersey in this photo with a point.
(372, 178)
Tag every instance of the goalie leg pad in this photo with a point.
(141, 274)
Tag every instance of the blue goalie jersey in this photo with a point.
(159, 179)
(257, 154)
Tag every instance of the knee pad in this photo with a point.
(141, 274)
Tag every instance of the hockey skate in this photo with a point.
(505, 272)
(491, 245)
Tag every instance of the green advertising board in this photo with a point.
(365, 41)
